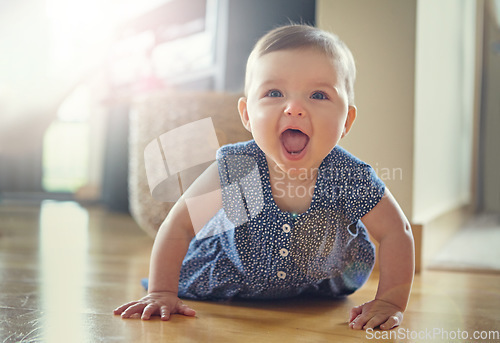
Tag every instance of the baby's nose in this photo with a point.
(295, 108)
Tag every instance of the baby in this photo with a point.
(288, 212)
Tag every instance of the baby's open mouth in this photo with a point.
(294, 141)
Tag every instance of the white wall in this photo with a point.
(444, 106)
(489, 170)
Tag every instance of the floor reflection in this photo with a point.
(63, 246)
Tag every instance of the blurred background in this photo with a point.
(427, 88)
(69, 70)
(85, 85)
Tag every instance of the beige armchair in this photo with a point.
(158, 113)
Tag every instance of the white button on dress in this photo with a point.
(281, 274)
(284, 252)
(286, 228)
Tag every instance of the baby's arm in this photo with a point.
(389, 226)
(170, 247)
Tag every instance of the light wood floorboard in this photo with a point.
(64, 268)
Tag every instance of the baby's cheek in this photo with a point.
(330, 138)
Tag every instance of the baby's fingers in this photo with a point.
(119, 310)
(186, 310)
(131, 310)
(355, 311)
(375, 321)
(393, 321)
(384, 322)
(149, 311)
(358, 323)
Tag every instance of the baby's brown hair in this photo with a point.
(297, 36)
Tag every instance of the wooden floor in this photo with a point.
(64, 268)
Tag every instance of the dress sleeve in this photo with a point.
(357, 188)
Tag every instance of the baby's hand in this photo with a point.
(160, 303)
(375, 313)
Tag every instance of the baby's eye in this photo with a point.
(319, 96)
(274, 93)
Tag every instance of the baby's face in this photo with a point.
(296, 108)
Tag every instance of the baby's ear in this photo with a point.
(351, 117)
(242, 108)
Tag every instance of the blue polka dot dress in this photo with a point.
(252, 249)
